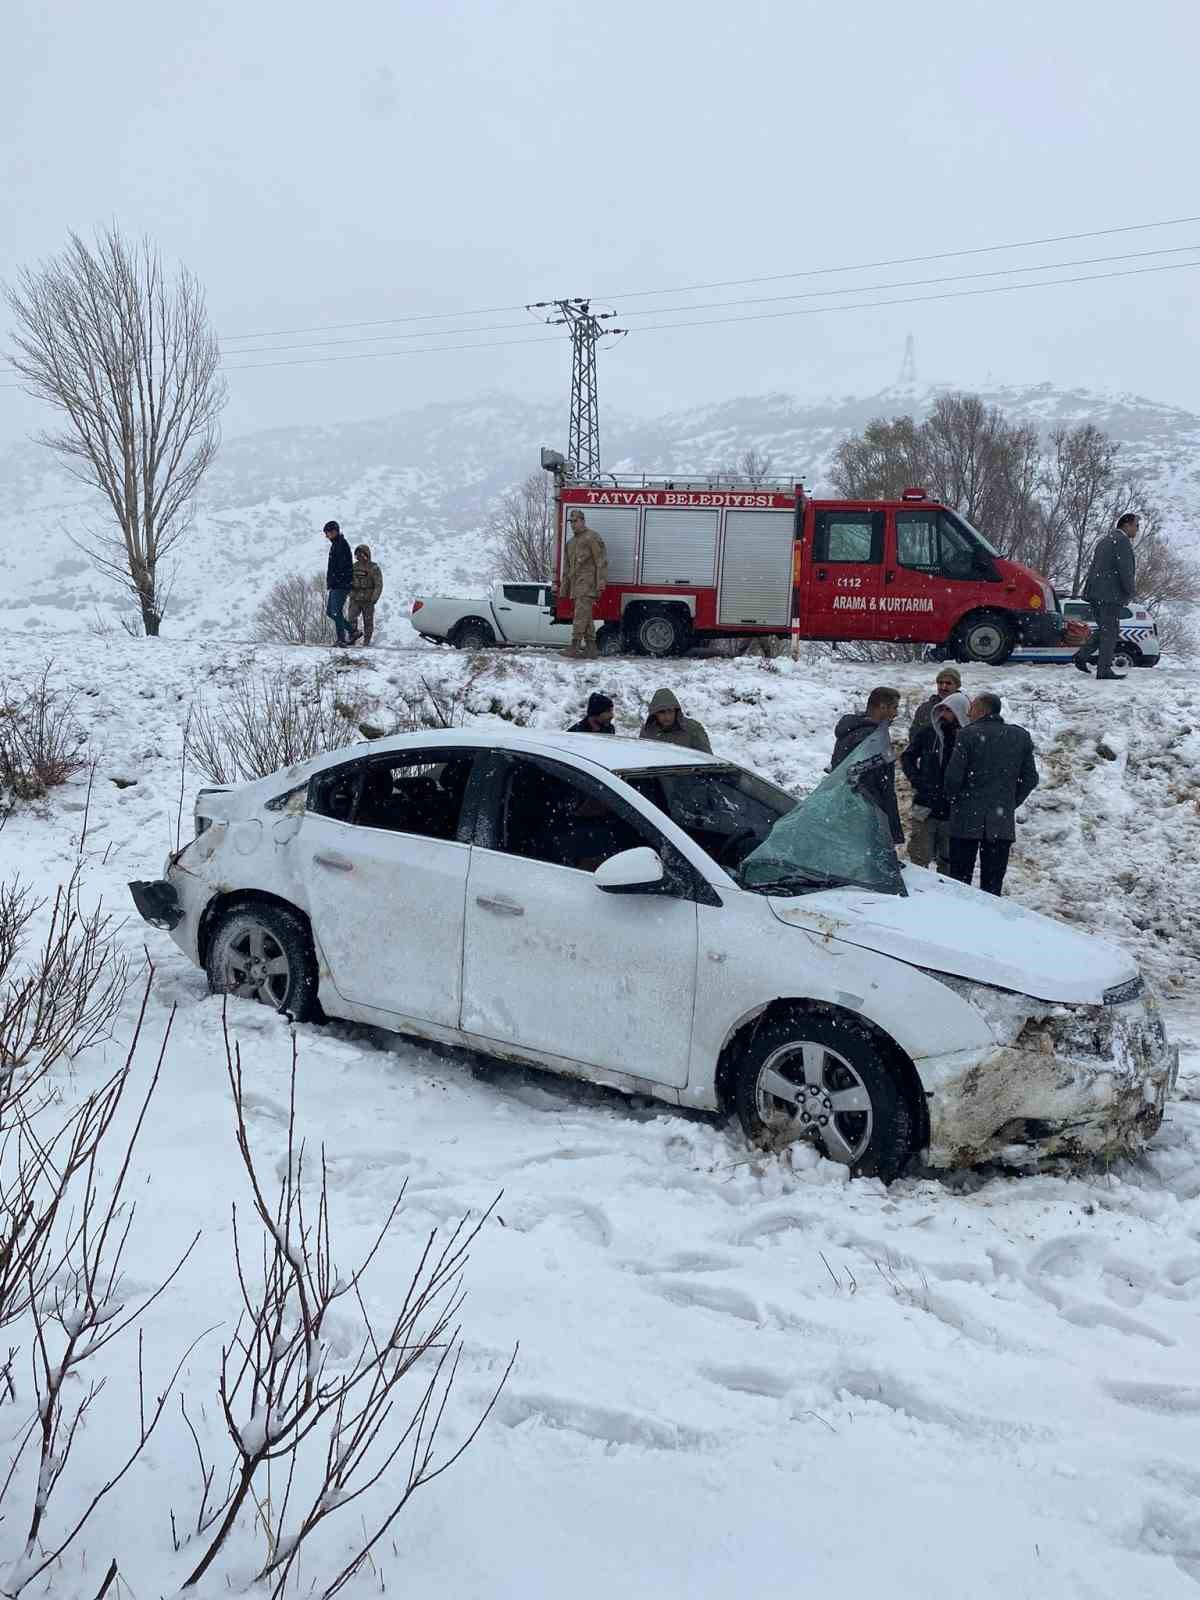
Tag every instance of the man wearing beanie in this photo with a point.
(598, 718)
(949, 681)
(339, 580)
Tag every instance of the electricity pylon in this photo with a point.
(583, 438)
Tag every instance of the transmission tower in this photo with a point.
(908, 367)
(583, 439)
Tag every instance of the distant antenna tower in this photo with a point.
(908, 367)
(583, 439)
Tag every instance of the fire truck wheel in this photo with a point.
(609, 641)
(986, 637)
(660, 633)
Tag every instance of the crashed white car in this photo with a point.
(669, 923)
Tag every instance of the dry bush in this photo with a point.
(294, 613)
(41, 744)
(272, 720)
(521, 530)
(337, 1426)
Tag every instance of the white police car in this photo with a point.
(1137, 643)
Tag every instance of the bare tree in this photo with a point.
(294, 612)
(755, 466)
(880, 462)
(128, 359)
(522, 530)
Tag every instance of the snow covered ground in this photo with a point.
(736, 1375)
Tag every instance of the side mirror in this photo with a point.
(631, 872)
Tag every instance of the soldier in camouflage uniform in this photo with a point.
(368, 586)
(585, 573)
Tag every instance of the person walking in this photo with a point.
(366, 588)
(666, 722)
(990, 775)
(598, 718)
(849, 732)
(1111, 585)
(585, 573)
(339, 580)
(925, 761)
(948, 681)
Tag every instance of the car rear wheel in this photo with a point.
(1126, 657)
(988, 638)
(473, 635)
(264, 953)
(822, 1077)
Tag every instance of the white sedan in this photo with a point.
(670, 924)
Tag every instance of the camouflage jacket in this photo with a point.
(368, 582)
(585, 565)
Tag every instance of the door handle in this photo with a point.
(821, 574)
(503, 608)
(503, 908)
(334, 862)
(889, 576)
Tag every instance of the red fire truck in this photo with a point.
(692, 560)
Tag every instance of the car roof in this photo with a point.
(611, 752)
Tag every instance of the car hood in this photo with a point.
(947, 927)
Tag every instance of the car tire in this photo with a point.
(473, 635)
(609, 641)
(825, 1055)
(1126, 657)
(660, 633)
(264, 952)
(988, 638)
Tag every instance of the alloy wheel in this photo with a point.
(808, 1091)
(256, 966)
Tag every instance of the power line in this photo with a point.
(730, 283)
(368, 355)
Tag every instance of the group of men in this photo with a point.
(354, 584)
(970, 772)
(665, 721)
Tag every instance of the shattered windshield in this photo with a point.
(837, 836)
(727, 811)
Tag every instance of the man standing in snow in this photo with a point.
(882, 705)
(925, 762)
(990, 775)
(666, 722)
(339, 580)
(598, 718)
(1111, 585)
(367, 587)
(948, 681)
(585, 573)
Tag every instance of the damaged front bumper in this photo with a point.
(1067, 1082)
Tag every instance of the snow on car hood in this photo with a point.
(947, 927)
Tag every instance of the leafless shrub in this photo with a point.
(330, 1425)
(1178, 636)
(130, 362)
(522, 531)
(64, 1233)
(272, 720)
(294, 613)
(41, 744)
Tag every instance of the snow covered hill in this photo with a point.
(738, 1375)
(417, 487)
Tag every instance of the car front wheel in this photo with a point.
(823, 1077)
(264, 953)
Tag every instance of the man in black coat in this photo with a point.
(598, 718)
(882, 706)
(339, 579)
(1111, 585)
(990, 775)
(925, 761)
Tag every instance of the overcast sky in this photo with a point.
(329, 163)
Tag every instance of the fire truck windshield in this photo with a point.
(973, 531)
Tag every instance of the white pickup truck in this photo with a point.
(513, 613)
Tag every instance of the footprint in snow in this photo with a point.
(589, 1222)
(611, 1425)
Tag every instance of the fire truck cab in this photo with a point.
(693, 560)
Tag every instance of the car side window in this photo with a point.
(417, 792)
(522, 594)
(848, 536)
(548, 815)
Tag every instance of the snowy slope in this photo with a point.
(737, 1375)
(417, 487)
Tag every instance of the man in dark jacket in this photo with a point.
(339, 580)
(990, 775)
(925, 760)
(882, 706)
(598, 718)
(949, 681)
(1111, 585)
(665, 721)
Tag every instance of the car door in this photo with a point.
(550, 631)
(934, 573)
(840, 595)
(554, 965)
(383, 853)
(519, 612)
